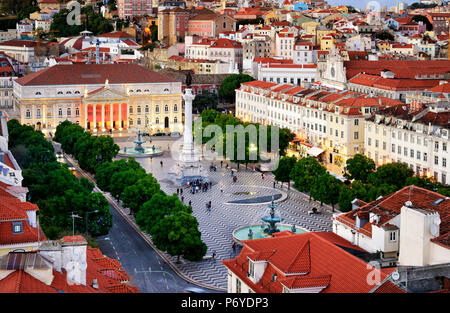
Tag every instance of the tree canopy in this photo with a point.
(205, 101)
(359, 167)
(231, 83)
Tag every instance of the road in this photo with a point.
(147, 270)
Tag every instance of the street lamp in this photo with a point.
(87, 213)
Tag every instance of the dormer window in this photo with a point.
(17, 227)
(251, 269)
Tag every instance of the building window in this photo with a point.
(444, 162)
(238, 285)
(17, 227)
(175, 120)
(175, 107)
(28, 114)
(392, 236)
(38, 113)
(60, 112)
(436, 160)
(356, 122)
(356, 135)
(77, 112)
(425, 156)
(157, 109)
(69, 112)
(146, 109)
(251, 268)
(166, 108)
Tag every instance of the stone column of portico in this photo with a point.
(120, 116)
(111, 125)
(103, 117)
(94, 108)
(85, 115)
(127, 115)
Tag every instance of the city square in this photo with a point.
(218, 224)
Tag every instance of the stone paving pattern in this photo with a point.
(218, 224)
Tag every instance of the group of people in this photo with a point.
(196, 185)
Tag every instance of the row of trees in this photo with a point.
(213, 117)
(364, 180)
(54, 188)
(165, 218)
(89, 150)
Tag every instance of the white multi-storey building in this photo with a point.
(419, 138)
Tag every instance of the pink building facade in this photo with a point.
(130, 8)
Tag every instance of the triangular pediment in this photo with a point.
(105, 94)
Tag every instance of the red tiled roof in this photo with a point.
(321, 263)
(19, 43)
(117, 34)
(86, 74)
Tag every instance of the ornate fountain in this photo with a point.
(271, 224)
(272, 220)
(138, 150)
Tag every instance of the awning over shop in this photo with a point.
(314, 151)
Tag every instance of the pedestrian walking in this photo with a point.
(210, 184)
(262, 175)
(190, 203)
(234, 178)
(181, 191)
(221, 189)
(182, 199)
(274, 184)
(214, 255)
(178, 191)
(161, 162)
(221, 164)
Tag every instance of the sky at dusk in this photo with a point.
(362, 3)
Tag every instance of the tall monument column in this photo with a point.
(188, 97)
(188, 165)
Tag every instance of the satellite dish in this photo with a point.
(434, 230)
(395, 275)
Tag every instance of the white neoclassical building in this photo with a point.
(100, 97)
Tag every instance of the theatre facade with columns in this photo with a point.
(100, 97)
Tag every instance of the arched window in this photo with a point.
(157, 121)
(77, 112)
(77, 92)
(38, 113)
(138, 90)
(68, 93)
(131, 121)
(175, 107)
(69, 112)
(59, 112)
(38, 93)
(28, 114)
(60, 92)
(131, 109)
(139, 121)
(166, 90)
(146, 90)
(166, 108)
(146, 109)
(175, 120)
(157, 109)
(139, 109)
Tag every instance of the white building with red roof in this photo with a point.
(410, 226)
(303, 263)
(63, 266)
(100, 97)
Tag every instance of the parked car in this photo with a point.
(146, 134)
(159, 134)
(175, 134)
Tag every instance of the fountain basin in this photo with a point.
(258, 233)
(132, 152)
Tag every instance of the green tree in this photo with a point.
(178, 235)
(286, 136)
(420, 18)
(134, 196)
(205, 101)
(283, 171)
(123, 179)
(154, 210)
(359, 167)
(391, 174)
(305, 173)
(346, 196)
(231, 83)
(326, 189)
(384, 35)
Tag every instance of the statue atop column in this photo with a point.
(188, 79)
